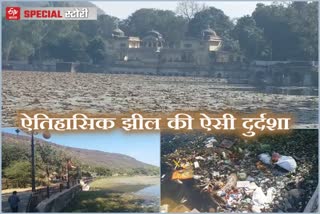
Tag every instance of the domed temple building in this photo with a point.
(153, 39)
(152, 51)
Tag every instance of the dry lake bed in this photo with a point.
(115, 93)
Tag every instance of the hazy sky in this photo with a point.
(144, 147)
(122, 9)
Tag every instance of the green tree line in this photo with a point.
(280, 31)
(51, 163)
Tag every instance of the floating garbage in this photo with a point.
(178, 181)
(221, 193)
(200, 158)
(275, 157)
(233, 198)
(196, 164)
(242, 176)
(240, 179)
(265, 158)
(197, 177)
(215, 174)
(185, 165)
(260, 199)
(211, 140)
(287, 163)
(226, 143)
(181, 209)
(164, 208)
(243, 184)
(249, 178)
(224, 156)
(253, 186)
(183, 200)
(182, 174)
(256, 209)
(231, 182)
(209, 145)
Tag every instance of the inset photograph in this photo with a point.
(223, 173)
(99, 172)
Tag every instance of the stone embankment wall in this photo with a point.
(277, 74)
(59, 201)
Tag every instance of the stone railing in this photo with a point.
(59, 201)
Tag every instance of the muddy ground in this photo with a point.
(103, 93)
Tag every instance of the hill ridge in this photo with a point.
(86, 156)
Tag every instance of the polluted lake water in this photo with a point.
(206, 173)
(151, 196)
(121, 93)
(123, 194)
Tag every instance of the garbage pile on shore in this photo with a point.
(242, 176)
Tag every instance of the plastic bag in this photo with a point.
(259, 198)
(287, 163)
(265, 158)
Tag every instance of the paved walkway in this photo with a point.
(24, 198)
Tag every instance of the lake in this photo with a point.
(119, 194)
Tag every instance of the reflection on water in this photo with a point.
(150, 191)
(291, 90)
(151, 195)
(261, 88)
(304, 91)
(184, 197)
(118, 198)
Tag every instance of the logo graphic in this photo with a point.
(13, 13)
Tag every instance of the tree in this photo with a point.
(102, 171)
(303, 20)
(274, 22)
(217, 20)
(251, 38)
(213, 17)
(49, 159)
(40, 33)
(70, 48)
(106, 25)
(13, 45)
(12, 153)
(89, 28)
(280, 32)
(172, 27)
(102, 27)
(19, 172)
(97, 50)
(189, 8)
(28, 39)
